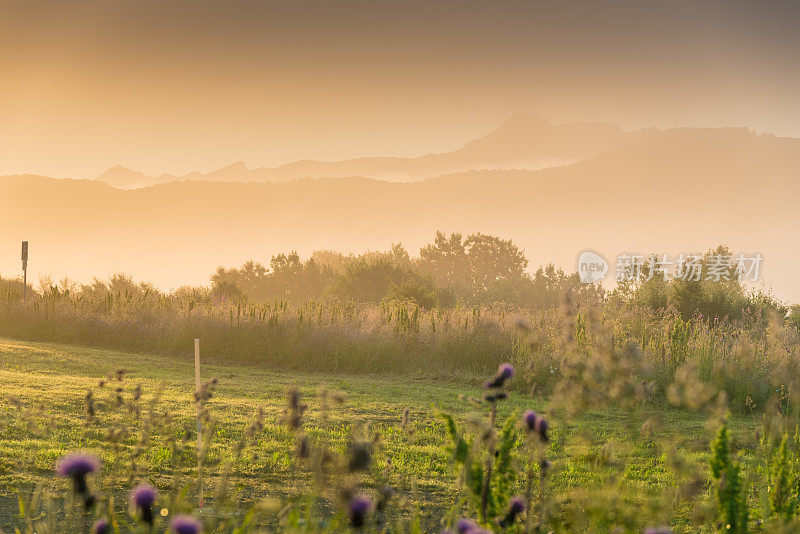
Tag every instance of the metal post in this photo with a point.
(199, 430)
(25, 271)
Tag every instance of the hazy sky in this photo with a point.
(175, 86)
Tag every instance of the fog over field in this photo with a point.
(672, 191)
(419, 266)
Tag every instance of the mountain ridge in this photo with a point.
(524, 140)
(680, 191)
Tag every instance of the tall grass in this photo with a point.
(748, 358)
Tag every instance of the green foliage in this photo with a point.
(386, 314)
(376, 280)
(614, 463)
(747, 358)
(478, 269)
(782, 482)
(731, 495)
(679, 337)
(461, 445)
(504, 473)
(581, 333)
(713, 293)
(287, 278)
(793, 318)
(487, 460)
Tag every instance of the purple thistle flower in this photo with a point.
(504, 372)
(143, 496)
(77, 466)
(359, 507)
(542, 428)
(536, 423)
(186, 524)
(515, 507)
(466, 526)
(100, 526)
(530, 418)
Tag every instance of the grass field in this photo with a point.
(43, 413)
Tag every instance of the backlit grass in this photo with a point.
(43, 414)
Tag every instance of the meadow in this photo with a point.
(48, 418)
(654, 408)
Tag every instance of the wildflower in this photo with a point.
(186, 524)
(293, 398)
(76, 467)
(530, 420)
(387, 492)
(90, 411)
(359, 507)
(257, 424)
(466, 526)
(294, 415)
(143, 496)
(206, 391)
(536, 423)
(541, 429)
(494, 397)
(303, 448)
(359, 456)
(515, 507)
(522, 325)
(504, 372)
(100, 526)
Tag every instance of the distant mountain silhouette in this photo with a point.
(677, 191)
(124, 178)
(524, 141)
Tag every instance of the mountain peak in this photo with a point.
(117, 171)
(238, 166)
(524, 140)
(118, 168)
(521, 123)
(233, 172)
(525, 118)
(522, 128)
(121, 176)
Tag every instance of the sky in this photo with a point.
(183, 85)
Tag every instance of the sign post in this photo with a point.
(25, 271)
(199, 430)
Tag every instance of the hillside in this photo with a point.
(679, 191)
(524, 141)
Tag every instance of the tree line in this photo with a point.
(453, 269)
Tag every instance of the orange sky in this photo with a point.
(193, 85)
